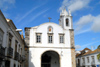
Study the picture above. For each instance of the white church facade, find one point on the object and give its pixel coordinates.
(50, 44)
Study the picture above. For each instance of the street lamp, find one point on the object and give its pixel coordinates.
(19, 30)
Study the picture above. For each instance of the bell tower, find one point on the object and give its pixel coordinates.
(65, 20)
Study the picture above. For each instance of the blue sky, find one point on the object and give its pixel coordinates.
(86, 16)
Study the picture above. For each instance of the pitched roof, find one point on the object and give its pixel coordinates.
(85, 49)
(83, 52)
(89, 52)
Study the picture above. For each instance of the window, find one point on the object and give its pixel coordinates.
(61, 37)
(19, 48)
(88, 59)
(50, 38)
(83, 60)
(10, 40)
(16, 42)
(38, 38)
(1, 37)
(67, 22)
(92, 58)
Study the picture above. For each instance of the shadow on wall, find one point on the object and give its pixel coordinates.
(31, 64)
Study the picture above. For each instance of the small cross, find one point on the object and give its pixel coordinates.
(49, 18)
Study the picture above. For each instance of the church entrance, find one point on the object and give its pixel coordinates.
(50, 59)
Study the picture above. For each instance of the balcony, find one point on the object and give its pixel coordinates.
(2, 52)
(19, 59)
(93, 63)
(10, 52)
(16, 56)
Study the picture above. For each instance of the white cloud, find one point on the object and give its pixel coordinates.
(5, 4)
(96, 25)
(91, 22)
(83, 21)
(38, 14)
(81, 32)
(86, 45)
(74, 5)
(34, 17)
(77, 47)
(29, 12)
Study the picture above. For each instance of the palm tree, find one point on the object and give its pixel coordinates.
(98, 56)
(98, 47)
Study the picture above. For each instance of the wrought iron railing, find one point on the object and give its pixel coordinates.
(10, 52)
(16, 56)
(19, 59)
(2, 52)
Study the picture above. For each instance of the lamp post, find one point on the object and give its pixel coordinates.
(19, 30)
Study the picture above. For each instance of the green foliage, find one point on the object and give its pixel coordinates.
(98, 56)
(98, 47)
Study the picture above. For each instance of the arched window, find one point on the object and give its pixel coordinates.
(50, 29)
(67, 22)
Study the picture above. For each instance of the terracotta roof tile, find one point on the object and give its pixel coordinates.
(91, 52)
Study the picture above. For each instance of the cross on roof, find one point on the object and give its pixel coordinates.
(49, 18)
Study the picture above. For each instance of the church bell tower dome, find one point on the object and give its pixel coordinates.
(64, 13)
(65, 19)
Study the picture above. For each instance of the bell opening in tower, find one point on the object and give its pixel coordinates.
(67, 22)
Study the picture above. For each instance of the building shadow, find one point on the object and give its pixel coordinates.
(31, 64)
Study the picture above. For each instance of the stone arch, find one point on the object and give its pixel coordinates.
(50, 58)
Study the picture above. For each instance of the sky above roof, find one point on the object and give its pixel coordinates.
(30, 13)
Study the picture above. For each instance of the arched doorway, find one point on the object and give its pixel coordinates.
(50, 59)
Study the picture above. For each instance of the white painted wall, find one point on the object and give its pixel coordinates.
(97, 62)
(39, 48)
(56, 30)
(35, 56)
(4, 26)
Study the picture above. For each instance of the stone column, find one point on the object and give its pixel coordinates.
(72, 48)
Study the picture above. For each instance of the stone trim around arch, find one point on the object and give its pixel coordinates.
(52, 51)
